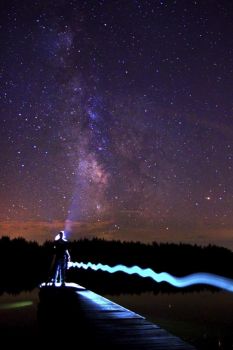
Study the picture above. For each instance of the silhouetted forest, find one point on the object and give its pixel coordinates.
(24, 265)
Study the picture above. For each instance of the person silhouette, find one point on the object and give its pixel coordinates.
(62, 257)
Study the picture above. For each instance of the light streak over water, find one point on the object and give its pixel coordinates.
(180, 282)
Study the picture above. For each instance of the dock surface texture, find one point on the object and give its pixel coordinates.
(84, 319)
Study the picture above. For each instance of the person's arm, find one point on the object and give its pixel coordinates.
(68, 254)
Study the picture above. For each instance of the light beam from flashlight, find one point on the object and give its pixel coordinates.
(180, 282)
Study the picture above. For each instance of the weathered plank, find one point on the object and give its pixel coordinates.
(107, 324)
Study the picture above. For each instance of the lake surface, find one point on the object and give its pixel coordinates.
(204, 318)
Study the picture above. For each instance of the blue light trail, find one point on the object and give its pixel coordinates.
(180, 282)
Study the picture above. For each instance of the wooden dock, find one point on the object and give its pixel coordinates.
(79, 316)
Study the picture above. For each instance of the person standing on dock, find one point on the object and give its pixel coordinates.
(62, 257)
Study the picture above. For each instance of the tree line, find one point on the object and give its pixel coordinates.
(25, 264)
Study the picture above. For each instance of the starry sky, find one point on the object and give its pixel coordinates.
(116, 120)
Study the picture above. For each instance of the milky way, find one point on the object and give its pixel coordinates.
(118, 116)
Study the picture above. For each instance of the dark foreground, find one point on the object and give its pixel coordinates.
(78, 316)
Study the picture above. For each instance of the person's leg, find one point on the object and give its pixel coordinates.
(58, 272)
(63, 273)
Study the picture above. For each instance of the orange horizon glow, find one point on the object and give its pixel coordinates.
(41, 231)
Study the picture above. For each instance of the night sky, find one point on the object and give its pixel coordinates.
(118, 117)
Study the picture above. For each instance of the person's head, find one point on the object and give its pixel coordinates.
(61, 234)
